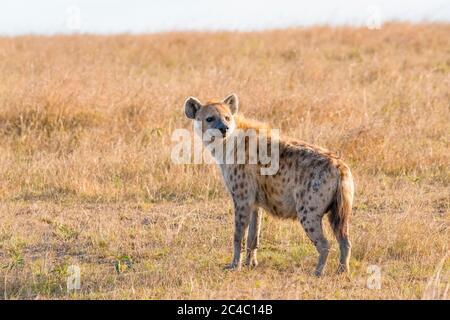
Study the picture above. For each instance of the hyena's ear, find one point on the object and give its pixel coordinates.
(191, 106)
(233, 102)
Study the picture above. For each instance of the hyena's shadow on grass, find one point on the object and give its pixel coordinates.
(281, 254)
(286, 259)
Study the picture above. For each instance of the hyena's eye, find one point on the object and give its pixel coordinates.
(209, 119)
(227, 118)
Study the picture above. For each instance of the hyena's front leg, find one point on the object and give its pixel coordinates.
(242, 213)
(253, 237)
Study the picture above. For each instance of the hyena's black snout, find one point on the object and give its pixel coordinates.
(223, 128)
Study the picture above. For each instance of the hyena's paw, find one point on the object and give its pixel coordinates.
(232, 266)
(342, 269)
(317, 274)
(253, 263)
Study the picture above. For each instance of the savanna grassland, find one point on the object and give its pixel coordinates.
(86, 176)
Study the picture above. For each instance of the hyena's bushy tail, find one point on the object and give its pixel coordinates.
(341, 207)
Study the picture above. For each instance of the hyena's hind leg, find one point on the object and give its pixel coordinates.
(345, 249)
(311, 221)
(253, 237)
(342, 238)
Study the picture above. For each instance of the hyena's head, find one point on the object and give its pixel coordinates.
(214, 119)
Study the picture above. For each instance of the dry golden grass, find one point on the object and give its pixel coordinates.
(86, 176)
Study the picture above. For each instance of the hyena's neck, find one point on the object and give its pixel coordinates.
(224, 151)
(235, 149)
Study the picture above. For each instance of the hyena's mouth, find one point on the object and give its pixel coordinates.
(222, 135)
(213, 138)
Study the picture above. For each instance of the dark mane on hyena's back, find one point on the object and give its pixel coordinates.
(322, 151)
(263, 128)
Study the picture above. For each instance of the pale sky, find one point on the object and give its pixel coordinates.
(139, 16)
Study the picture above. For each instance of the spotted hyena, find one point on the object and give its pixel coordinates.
(309, 183)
